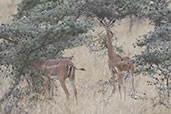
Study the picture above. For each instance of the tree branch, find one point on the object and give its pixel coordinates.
(9, 40)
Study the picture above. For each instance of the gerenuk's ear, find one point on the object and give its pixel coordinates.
(102, 22)
(112, 22)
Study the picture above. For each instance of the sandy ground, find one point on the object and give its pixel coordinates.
(8, 8)
(94, 97)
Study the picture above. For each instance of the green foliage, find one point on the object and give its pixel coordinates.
(30, 34)
(157, 43)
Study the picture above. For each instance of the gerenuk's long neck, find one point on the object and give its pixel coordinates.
(111, 52)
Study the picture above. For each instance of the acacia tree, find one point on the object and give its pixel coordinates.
(41, 28)
(156, 57)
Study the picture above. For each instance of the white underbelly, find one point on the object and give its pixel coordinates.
(54, 77)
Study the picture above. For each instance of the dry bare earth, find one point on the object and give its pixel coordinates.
(93, 98)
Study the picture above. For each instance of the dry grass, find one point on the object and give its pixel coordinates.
(91, 99)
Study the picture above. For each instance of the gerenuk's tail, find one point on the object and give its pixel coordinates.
(80, 69)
